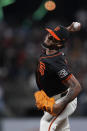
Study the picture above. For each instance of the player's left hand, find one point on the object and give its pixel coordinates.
(44, 102)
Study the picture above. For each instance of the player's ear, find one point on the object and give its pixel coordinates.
(59, 45)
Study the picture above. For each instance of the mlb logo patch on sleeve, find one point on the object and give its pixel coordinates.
(62, 73)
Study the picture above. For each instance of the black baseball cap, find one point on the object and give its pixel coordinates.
(60, 33)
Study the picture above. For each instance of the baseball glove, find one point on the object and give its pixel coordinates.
(44, 102)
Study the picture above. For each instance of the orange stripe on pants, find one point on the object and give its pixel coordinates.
(52, 123)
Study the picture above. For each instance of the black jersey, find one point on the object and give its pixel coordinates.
(52, 70)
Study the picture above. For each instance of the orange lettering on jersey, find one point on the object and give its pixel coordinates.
(41, 68)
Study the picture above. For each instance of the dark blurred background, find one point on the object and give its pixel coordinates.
(22, 26)
(21, 10)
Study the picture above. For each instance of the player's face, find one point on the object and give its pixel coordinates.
(49, 40)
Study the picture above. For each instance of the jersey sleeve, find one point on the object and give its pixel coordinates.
(62, 71)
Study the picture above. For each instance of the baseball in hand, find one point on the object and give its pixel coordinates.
(76, 25)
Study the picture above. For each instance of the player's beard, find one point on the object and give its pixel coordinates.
(52, 47)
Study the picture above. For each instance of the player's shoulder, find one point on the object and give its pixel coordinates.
(57, 57)
(60, 60)
(60, 57)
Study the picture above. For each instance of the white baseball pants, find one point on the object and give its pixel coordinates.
(61, 122)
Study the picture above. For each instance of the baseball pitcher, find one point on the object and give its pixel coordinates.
(58, 87)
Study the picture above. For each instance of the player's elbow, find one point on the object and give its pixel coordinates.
(78, 87)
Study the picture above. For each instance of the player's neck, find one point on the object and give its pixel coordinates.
(50, 52)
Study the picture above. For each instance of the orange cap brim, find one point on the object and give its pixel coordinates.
(53, 34)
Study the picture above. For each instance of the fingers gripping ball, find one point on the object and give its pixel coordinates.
(76, 25)
(44, 102)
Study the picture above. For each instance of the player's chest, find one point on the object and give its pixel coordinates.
(45, 69)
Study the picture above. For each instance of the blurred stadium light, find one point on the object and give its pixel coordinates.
(50, 5)
(1, 13)
(40, 12)
(4, 3)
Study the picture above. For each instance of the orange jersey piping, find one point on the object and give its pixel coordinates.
(63, 81)
(51, 56)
